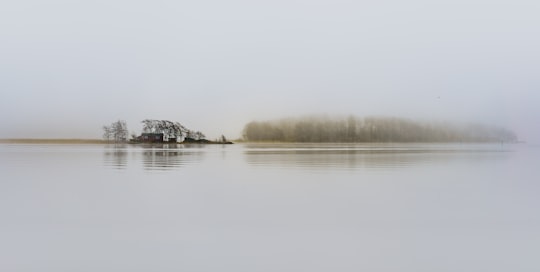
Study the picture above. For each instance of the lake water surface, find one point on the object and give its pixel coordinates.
(270, 207)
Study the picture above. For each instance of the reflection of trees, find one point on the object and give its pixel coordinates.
(116, 156)
(360, 158)
(334, 158)
(167, 159)
(153, 157)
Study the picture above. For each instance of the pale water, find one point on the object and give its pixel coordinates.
(256, 207)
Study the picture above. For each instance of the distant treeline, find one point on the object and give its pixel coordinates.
(370, 129)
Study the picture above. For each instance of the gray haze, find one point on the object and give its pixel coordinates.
(69, 67)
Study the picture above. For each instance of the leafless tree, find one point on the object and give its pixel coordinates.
(117, 131)
(107, 133)
(199, 135)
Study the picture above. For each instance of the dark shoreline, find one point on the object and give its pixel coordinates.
(97, 141)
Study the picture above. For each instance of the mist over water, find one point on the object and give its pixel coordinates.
(369, 203)
(269, 207)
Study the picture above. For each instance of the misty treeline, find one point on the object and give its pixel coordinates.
(118, 131)
(370, 129)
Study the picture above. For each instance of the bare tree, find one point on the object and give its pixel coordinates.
(120, 131)
(117, 131)
(199, 135)
(107, 133)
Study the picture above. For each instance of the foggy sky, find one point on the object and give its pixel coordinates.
(69, 67)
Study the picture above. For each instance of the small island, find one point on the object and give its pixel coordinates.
(158, 132)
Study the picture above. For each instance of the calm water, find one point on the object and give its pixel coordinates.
(270, 208)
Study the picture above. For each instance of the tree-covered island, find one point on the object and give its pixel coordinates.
(158, 131)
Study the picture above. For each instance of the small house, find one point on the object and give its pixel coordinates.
(151, 138)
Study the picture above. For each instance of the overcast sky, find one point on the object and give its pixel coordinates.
(69, 67)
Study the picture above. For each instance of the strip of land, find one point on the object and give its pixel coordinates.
(53, 141)
(97, 141)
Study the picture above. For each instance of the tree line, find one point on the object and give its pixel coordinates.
(170, 129)
(370, 129)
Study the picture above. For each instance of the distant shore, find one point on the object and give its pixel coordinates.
(53, 141)
(99, 141)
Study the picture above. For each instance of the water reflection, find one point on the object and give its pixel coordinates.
(116, 156)
(167, 159)
(304, 156)
(59, 206)
(153, 157)
(365, 156)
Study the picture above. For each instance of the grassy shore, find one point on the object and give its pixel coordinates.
(53, 141)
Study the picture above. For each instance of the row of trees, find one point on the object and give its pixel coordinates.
(170, 129)
(370, 129)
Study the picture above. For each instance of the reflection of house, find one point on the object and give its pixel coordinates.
(151, 137)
